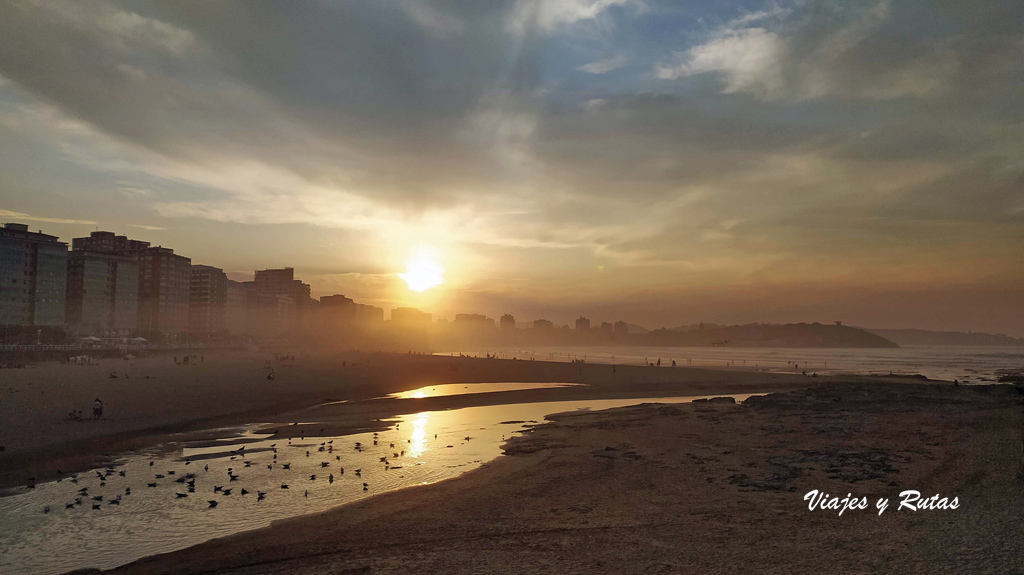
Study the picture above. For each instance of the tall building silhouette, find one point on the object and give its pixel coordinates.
(102, 293)
(507, 322)
(164, 279)
(280, 302)
(207, 302)
(33, 277)
(582, 324)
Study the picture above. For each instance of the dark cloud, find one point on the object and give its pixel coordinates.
(774, 140)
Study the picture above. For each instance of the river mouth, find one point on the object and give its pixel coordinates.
(143, 504)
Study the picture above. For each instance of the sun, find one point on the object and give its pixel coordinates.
(422, 270)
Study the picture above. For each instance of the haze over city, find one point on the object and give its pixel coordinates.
(639, 160)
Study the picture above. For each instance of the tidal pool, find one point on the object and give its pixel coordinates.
(85, 528)
(447, 389)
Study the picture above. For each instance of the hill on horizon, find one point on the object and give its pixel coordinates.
(923, 337)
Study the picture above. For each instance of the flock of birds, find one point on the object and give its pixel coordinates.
(186, 478)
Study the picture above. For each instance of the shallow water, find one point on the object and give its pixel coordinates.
(153, 520)
(467, 388)
(973, 364)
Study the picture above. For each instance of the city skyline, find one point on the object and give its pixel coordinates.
(623, 159)
(110, 285)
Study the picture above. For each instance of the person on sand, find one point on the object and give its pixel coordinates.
(97, 409)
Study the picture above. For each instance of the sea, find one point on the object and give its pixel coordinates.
(968, 364)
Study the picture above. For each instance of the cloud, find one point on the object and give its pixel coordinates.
(134, 192)
(21, 216)
(548, 15)
(773, 11)
(438, 21)
(148, 228)
(848, 52)
(787, 143)
(604, 66)
(749, 60)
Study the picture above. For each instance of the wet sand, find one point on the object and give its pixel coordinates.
(231, 389)
(705, 488)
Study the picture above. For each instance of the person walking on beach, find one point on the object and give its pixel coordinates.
(97, 409)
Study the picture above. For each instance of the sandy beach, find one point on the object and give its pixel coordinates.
(159, 400)
(709, 487)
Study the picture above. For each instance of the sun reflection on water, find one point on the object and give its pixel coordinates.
(419, 435)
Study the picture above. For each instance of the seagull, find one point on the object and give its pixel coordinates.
(244, 491)
(260, 495)
(181, 495)
(212, 503)
(98, 498)
(152, 484)
(95, 505)
(287, 466)
(217, 488)
(46, 509)
(312, 477)
(159, 476)
(284, 486)
(226, 492)
(69, 506)
(121, 473)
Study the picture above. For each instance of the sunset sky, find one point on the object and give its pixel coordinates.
(659, 162)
